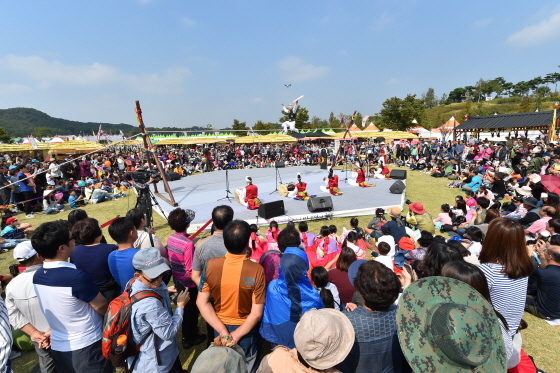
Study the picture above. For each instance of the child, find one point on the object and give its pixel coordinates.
(333, 235)
(328, 292)
(351, 241)
(50, 205)
(373, 229)
(325, 245)
(519, 212)
(257, 244)
(475, 236)
(387, 238)
(445, 216)
(74, 201)
(13, 229)
(383, 248)
(272, 235)
(307, 238)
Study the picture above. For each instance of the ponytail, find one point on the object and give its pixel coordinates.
(320, 278)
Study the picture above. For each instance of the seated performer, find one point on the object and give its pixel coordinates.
(248, 196)
(331, 184)
(301, 190)
(360, 177)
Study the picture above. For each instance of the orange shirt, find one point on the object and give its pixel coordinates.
(236, 283)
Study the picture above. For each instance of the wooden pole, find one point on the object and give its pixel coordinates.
(149, 149)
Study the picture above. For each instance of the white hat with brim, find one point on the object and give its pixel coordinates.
(324, 337)
(524, 191)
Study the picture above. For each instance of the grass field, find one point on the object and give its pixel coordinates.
(540, 340)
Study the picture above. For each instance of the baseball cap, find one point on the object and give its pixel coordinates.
(190, 215)
(24, 251)
(29, 165)
(150, 262)
(11, 220)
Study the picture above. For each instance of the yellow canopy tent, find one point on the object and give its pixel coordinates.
(127, 143)
(276, 139)
(75, 147)
(192, 141)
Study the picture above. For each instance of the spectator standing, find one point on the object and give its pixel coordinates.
(5, 186)
(180, 249)
(506, 265)
(152, 319)
(92, 256)
(72, 304)
(6, 338)
(146, 235)
(23, 305)
(239, 302)
(27, 188)
(213, 246)
(124, 233)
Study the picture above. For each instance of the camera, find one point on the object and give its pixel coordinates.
(408, 202)
(142, 176)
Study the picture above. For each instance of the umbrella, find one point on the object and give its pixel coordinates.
(551, 183)
(380, 138)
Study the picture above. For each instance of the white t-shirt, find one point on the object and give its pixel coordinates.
(391, 241)
(475, 248)
(386, 260)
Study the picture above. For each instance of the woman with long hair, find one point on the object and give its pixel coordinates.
(505, 262)
(327, 291)
(553, 200)
(339, 275)
(438, 254)
(272, 235)
(257, 244)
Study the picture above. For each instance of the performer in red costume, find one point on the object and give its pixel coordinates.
(248, 196)
(301, 190)
(331, 184)
(360, 177)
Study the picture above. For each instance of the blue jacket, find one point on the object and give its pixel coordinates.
(153, 314)
(287, 298)
(475, 183)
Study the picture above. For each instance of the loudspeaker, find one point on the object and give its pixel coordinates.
(398, 174)
(171, 176)
(280, 164)
(318, 204)
(398, 187)
(271, 209)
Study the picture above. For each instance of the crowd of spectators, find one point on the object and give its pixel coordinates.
(349, 300)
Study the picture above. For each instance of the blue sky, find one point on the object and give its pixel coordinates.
(209, 62)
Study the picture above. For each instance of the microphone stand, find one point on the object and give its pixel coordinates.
(228, 197)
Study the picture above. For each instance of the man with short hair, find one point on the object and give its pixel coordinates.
(543, 293)
(213, 246)
(70, 301)
(123, 231)
(5, 186)
(475, 183)
(27, 188)
(23, 305)
(239, 300)
(546, 213)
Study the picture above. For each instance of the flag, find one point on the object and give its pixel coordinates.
(121, 133)
(364, 121)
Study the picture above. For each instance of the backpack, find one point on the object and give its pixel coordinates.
(117, 323)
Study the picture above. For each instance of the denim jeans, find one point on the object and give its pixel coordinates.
(250, 344)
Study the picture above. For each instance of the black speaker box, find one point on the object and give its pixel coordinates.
(398, 187)
(271, 209)
(172, 176)
(398, 174)
(280, 164)
(318, 204)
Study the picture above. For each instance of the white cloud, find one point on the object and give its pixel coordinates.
(545, 31)
(258, 100)
(393, 81)
(49, 72)
(297, 70)
(342, 52)
(188, 22)
(482, 23)
(14, 89)
(382, 22)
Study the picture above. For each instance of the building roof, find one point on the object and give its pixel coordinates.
(452, 122)
(371, 128)
(518, 120)
(355, 128)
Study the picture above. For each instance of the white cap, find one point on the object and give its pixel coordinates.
(24, 251)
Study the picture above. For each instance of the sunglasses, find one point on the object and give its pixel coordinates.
(153, 280)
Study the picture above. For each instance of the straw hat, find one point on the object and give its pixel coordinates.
(394, 212)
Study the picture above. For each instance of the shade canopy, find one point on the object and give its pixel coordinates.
(75, 147)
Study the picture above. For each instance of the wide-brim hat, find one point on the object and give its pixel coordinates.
(417, 208)
(535, 178)
(531, 201)
(47, 192)
(394, 212)
(353, 269)
(324, 337)
(444, 325)
(524, 191)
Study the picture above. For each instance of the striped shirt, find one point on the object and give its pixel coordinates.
(5, 336)
(507, 295)
(180, 250)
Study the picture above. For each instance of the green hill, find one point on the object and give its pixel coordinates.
(19, 122)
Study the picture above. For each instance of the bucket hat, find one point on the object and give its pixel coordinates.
(531, 201)
(524, 191)
(218, 359)
(444, 325)
(324, 337)
(417, 208)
